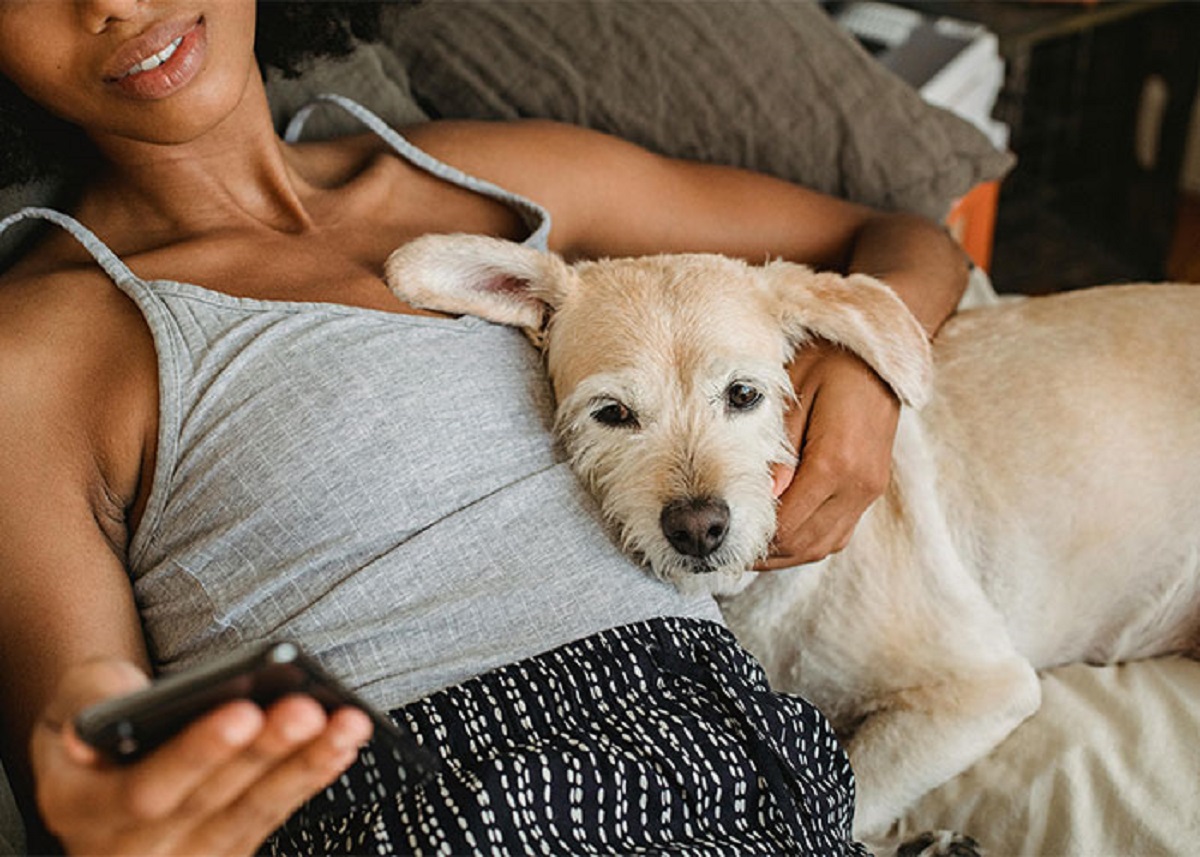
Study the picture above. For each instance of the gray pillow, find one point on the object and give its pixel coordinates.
(772, 85)
(373, 76)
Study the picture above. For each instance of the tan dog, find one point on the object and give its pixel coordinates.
(1044, 505)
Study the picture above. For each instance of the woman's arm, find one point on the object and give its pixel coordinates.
(64, 595)
(611, 198)
(73, 417)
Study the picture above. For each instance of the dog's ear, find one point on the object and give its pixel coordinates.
(859, 313)
(498, 280)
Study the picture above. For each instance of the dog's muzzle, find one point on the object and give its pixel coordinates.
(695, 526)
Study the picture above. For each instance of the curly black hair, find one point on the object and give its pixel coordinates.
(290, 33)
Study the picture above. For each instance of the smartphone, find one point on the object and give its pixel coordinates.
(127, 727)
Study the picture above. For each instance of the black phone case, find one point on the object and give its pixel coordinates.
(127, 727)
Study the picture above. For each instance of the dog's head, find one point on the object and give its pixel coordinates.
(670, 378)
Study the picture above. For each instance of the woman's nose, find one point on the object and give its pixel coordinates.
(99, 15)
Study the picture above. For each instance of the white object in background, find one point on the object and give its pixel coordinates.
(879, 25)
(1152, 108)
(970, 83)
(954, 64)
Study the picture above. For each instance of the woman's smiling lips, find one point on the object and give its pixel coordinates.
(159, 62)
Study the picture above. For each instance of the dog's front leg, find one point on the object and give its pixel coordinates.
(921, 737)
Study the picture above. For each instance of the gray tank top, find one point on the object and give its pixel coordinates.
(383, 488)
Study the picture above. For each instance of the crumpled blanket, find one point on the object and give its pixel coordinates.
(1108, 767)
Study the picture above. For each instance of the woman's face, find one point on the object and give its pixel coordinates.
(157, 71)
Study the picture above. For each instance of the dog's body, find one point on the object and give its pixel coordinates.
(1043, 506)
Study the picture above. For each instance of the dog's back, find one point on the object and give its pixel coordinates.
(1066, 431)
(1042, 510)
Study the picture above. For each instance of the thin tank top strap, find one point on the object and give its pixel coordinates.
(535, 216)
(112, 265)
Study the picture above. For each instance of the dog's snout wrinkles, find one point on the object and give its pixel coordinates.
(696, 526)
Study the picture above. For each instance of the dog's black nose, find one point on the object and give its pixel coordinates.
(695, 527)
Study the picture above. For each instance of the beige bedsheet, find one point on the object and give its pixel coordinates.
(1109, 767)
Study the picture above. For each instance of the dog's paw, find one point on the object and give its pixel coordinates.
(940, 843)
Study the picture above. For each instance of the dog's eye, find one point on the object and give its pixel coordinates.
(615, 414)
(742, 396)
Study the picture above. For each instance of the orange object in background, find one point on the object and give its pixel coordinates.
(972, 222)
(1183, 265)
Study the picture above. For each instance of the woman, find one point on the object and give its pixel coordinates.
(274, 446)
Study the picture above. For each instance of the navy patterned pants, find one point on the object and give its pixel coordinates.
(655, 738)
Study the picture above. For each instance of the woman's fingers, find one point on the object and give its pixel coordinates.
(299, 752)
(96, 806)
(221, 786)
(271, 799)
(164, 781)
(844, 425)
(818, 522)
(298, 736)
(826, 531)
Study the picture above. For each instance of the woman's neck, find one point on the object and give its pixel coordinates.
(237, 173)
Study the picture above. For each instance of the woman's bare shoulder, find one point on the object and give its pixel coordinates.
(74, 353)
(54, 289)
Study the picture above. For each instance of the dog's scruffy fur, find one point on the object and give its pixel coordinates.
(1044, 505)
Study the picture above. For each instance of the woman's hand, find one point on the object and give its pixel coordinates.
(219, 787)
(843, 424)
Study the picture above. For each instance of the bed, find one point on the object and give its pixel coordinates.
(1111, 763)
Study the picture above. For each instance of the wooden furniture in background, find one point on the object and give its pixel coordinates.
(1098, 100)
(1183, 265)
